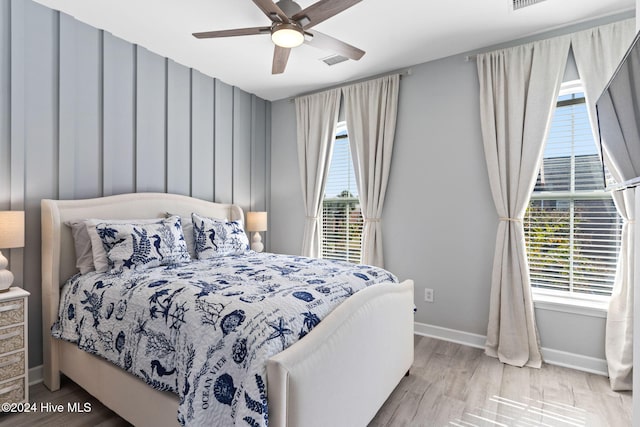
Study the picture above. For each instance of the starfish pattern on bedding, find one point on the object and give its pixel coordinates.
(280, 331)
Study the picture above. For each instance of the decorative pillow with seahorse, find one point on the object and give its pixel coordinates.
(134, 246)
(215, 237)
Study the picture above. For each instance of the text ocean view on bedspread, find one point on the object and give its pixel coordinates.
(204, 330)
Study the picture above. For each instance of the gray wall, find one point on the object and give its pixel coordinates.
(439, 219)
(85, 114)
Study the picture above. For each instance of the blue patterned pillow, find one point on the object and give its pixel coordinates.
(138, 246)
(215, 237)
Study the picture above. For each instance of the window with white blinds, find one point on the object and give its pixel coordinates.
(572, 228)
(341, 216)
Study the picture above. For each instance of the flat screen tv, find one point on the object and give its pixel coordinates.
(618, 111)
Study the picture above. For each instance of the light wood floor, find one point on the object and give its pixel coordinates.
(449, 385)
(455, 385)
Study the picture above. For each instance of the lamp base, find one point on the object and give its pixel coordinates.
(256, 242)
(6, 277)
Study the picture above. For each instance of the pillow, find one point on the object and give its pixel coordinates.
(100, 262)
(187, 229)
(82, 242)
(215, 238)
(136, 246)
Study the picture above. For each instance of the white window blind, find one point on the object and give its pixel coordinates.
(572, 228)
(341, 216)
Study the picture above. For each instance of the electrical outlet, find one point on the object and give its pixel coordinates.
(428, 295)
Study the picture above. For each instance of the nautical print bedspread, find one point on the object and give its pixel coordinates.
(204, 330)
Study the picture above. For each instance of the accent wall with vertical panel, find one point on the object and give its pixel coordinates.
(85, 114)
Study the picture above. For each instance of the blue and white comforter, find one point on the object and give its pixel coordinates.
(205, 329)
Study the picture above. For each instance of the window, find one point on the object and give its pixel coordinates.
(572, 228)
(341, 217)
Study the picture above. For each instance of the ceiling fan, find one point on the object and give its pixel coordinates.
(290, 28)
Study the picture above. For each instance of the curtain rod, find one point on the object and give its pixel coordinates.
(552, 33)
(402, 72)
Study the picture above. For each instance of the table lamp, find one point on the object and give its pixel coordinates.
(256, 222)
(11, 236)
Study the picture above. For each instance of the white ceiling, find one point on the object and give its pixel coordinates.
(395, 34)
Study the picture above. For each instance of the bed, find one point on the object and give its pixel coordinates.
(320, 380)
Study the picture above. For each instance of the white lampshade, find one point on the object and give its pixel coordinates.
(256, 221)
(11, 236)
(11, 229)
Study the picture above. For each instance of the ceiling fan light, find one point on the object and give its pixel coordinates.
(287, 35)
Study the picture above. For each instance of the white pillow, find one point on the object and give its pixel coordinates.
(187, 228)
(100, 260)
(215, 237)
(134, 246)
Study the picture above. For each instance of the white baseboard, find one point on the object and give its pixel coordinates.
(550, 356)
(575, 361)
(36, 375)
(451, 335)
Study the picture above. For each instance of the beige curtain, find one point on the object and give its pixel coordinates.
(518, 91)
(316, 118)
(598, 51)
(371, 109)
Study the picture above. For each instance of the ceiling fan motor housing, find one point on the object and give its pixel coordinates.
(289, 7)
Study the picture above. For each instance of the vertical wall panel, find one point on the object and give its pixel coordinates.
(83, 113)
(80, 110)
(178, 129)
(258, 158)
(202, 144)
(224, 142)
(18, 87)
(258, 154)
(242, 148)
(119, 116)
(17, 120)
(267, 161)
(150, 121)
(41, 143)
(67, 160)
(5, 105)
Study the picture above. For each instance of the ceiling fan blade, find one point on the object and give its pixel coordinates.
(280, 58)
(325, 42)
(321, 11)
(231, 33)
(272, 11)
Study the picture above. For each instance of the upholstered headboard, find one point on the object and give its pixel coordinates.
(58, 251)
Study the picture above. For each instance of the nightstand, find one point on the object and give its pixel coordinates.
(14, 380)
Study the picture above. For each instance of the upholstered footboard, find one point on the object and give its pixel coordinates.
(344, 370)
(338, 375)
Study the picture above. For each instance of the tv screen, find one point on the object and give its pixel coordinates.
(618, 110)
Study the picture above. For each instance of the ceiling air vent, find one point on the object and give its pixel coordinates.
(334, 59)
(519, 4)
